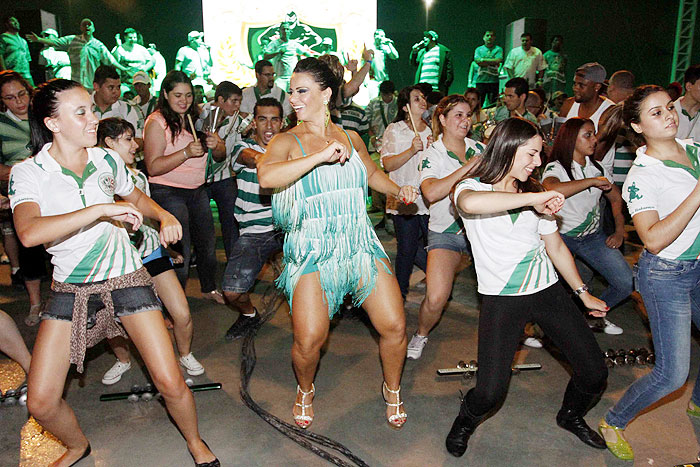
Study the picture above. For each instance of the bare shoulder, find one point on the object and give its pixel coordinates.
(566, 106)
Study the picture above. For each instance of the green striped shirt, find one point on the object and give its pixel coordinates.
(14, 139)
(253, 209)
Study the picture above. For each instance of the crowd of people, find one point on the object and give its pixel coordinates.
(528, 183)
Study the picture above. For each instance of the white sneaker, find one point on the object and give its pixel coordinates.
(611, 328)
(415, 347)
(533, 342)
(193, 367)
(115, 373)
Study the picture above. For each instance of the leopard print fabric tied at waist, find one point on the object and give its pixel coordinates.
(105, 325)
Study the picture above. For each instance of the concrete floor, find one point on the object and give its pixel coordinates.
(349, 406)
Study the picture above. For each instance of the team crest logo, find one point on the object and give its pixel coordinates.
(106, 183)
(634, 192)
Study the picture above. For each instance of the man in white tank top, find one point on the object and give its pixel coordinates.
(587, 101)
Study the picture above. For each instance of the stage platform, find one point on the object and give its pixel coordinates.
(348, 404)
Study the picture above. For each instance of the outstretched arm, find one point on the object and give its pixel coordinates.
(561, 258)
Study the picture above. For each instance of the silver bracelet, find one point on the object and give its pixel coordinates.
(580, 290)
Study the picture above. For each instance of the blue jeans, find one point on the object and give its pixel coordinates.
(609, 262)
(671, 293)
(224, 193)
(191, 208)
(411, 239)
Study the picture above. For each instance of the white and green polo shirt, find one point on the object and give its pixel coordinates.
(438, 163)
(509, 254)
(98, 251)
(150, 237)
(580, 215)
(655, 185)
(14, 139)
(253, 208)
(121, 109)
(687, 127)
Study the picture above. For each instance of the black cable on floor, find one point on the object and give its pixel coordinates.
(271, 301)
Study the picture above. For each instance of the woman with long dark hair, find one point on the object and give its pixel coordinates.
(573, 172)
(516, 248)
(663, 196)
(330, 247)
(446, 161)
(28, 265)
(176, 162)
(64, 197)
(118, 135)
(401, 155)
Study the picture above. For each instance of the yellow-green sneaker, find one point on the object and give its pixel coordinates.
(616, 442)
(693, 409)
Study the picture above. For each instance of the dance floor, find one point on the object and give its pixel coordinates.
(348, 405)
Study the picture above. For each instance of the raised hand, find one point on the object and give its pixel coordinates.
(195, 149)
(170, 229)
(417, 144)
(123, 211)
(335, 152)
(601, 183)
(548, 202)
(408, 194)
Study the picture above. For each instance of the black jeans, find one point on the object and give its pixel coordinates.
(191, 208)
(501, 324)
(411, 239)
(224, 193)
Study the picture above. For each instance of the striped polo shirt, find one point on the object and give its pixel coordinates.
(253, 208)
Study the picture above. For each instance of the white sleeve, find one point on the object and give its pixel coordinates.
(555, 170)
(391, 143)
(547, 225)
(640, 191)
(123, 183)
(430, 165)
(23, 188)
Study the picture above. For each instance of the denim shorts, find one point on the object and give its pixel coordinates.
(127, 302)
(249, 254)
(448, 241)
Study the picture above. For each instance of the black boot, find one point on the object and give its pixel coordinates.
(462, 428)
(570, 417)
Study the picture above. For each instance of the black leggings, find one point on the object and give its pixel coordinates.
(501, 324)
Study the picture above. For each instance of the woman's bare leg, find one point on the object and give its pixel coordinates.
(439, 277)
(384, 307)
(173, 297)
(47, 377)
(147, 331)
(310, 325)
(11, 342)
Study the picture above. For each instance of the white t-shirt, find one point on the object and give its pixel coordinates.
(509, 254)
(138, 57)
(251, 95)
(98, 251)
(525, 64)
(654, 185)
(397, 138)
(687, 127)
(580, 215)
(438, 162)
(150, 237)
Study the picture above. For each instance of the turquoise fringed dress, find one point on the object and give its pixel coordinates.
(327, 229)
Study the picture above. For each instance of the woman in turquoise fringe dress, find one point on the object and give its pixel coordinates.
(321, 173)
